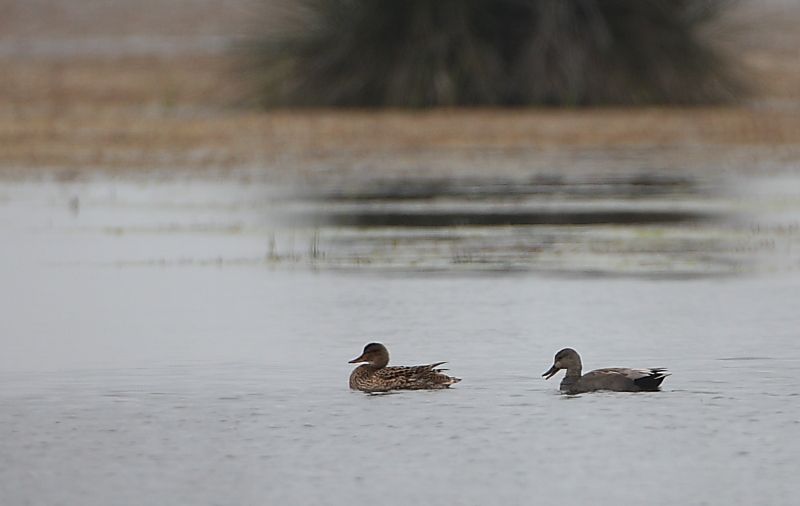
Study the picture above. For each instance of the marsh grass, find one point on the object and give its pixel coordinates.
(426, 53)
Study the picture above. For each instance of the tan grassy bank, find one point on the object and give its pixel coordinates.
(142, 113)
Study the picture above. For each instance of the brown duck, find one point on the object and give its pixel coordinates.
(617, 379)
(376, 376)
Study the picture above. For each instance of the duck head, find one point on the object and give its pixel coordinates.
(375, 354)
(565, 359)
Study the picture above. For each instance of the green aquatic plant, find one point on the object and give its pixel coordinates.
(424, 53)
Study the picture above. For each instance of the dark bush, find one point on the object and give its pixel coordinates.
(424, 53)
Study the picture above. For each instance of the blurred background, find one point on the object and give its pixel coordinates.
(447, 113)
(207, 207)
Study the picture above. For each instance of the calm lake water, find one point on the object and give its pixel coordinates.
(176, 343)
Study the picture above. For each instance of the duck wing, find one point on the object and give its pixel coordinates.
(649, 379)
(625, 379)
(416, 377)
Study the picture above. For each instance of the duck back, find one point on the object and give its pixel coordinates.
(617, 379)
(419, 377)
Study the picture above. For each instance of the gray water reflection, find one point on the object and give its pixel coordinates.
(667, 227)
(540, 200)
(664, 224)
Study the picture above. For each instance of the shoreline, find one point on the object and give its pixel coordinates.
(303, 144)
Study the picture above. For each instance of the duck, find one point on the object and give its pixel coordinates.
(376, 376)
(616, 379)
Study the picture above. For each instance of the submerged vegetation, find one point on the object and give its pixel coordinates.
(427, 53)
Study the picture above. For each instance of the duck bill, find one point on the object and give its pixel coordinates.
(358, 359)
(551, 372)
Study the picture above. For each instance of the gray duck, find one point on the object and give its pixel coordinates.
(616, 379)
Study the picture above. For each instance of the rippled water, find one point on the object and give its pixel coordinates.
(155, 351)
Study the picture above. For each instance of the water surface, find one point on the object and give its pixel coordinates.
(181, 347)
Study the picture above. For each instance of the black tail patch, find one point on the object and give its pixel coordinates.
(652, 381)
